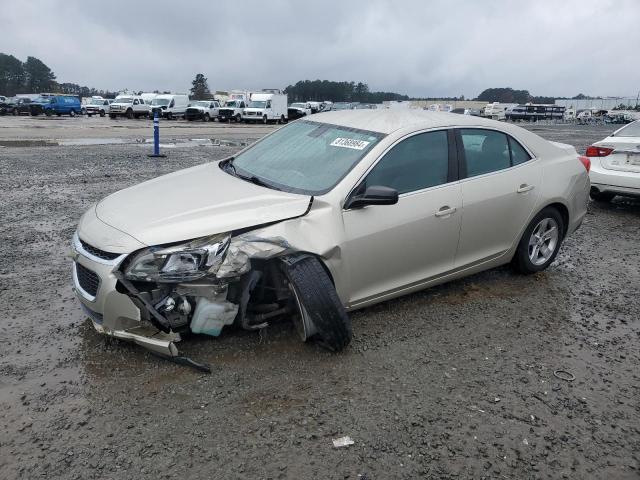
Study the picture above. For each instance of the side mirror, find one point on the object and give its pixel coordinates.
(373, 195)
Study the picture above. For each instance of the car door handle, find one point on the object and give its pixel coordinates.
(524, 188)
(445, 211)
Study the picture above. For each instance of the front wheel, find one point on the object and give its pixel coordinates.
(48, 113)
(265, 120)
(319, 311)
(129, 114)
(102, 113)
(206, 117)
(72, 113)
(238, 118)
(541, 241)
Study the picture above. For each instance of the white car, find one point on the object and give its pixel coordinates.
(205, 110)
(321, 217)
(615, 164)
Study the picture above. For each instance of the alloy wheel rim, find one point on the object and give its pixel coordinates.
(543, 241)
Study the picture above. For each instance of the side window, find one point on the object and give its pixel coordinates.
(485, 151)
(518, 154)
(141, 101)
(420, 161)
(136, 102)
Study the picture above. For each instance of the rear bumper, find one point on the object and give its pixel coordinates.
(613, 181)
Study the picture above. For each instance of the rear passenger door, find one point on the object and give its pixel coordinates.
(393, 248)
(500, 183)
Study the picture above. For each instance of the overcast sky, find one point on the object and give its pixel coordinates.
(417, 47)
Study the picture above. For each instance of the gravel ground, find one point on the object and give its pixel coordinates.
(453, 382)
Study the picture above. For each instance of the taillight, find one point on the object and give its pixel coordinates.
(595, 151)
(585, 161)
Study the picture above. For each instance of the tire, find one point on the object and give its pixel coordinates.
(317, 297)
(129, 114)
(238, 118)
(265, 120)
(604, 197)
(206, 118)
(282, 120)
(530, 256)
(89, 115)
(15, 112)
(72, 113)
(48, 113)
(102, 113)
(112, 117)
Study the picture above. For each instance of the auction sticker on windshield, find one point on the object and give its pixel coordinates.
(350, 143)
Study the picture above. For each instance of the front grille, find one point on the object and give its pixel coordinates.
(96, 252)
(88, 280)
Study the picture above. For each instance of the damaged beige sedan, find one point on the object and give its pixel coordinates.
(325, 215)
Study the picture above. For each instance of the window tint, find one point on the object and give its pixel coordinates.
(485, 151)
(420, 161)
(518, 154)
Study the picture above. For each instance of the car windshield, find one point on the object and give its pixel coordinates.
(42, 100)
(124, 100)
(631, 130)
(305, 157)
(96, 101)
(298, 105)
(260, 104)
(231, 103)
(200, 104)
(160, 101)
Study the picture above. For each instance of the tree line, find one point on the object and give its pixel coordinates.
(509, 95)
(34, 76)
(319, 90)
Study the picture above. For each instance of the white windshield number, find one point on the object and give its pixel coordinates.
(350, 143)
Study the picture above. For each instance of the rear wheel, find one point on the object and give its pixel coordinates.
(599, 196)
(541, 241)
(112, 117)
(319, 311)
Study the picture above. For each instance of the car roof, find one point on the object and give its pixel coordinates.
(389, 120)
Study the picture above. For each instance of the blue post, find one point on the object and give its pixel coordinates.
(156, 135)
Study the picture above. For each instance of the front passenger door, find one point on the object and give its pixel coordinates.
(391, 249)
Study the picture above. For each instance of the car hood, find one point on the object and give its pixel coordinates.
(195, 202)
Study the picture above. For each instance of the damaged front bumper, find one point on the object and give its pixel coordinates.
(153, 315)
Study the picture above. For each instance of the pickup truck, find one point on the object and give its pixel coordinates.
(232, 110)
(205, 110)
(130, 106)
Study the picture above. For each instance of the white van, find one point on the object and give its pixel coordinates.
(170, 105)
(266, 107)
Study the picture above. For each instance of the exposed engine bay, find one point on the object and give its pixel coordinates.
(244, 283)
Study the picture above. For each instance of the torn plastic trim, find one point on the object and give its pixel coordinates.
(145, 336)
(157, 319)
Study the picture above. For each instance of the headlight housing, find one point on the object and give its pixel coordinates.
(179, 263)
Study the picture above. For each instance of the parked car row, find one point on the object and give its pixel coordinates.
(267, 106)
